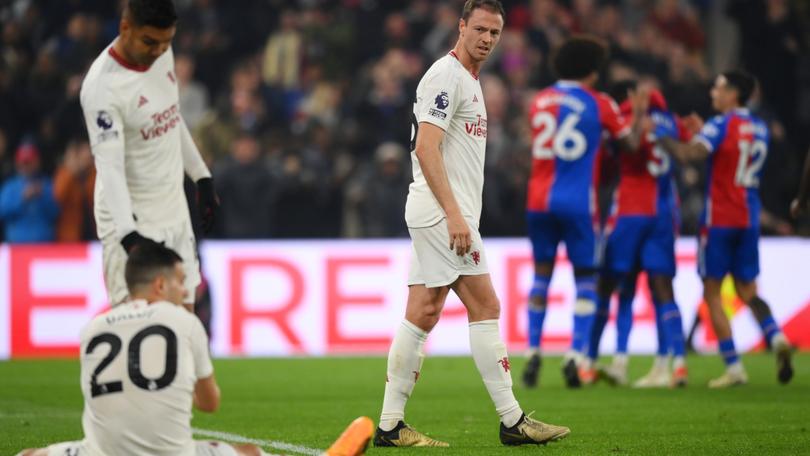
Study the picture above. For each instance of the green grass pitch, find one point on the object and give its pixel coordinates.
(307, 402)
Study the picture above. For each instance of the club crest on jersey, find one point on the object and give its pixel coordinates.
(104, 120)
(476, 257)
(504, 362)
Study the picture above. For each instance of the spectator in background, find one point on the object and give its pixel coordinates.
(678, 23)
(247, 191)
(283, 66)
(443, 33)
(27, 206)
(73, 186)
(220, 128)
(193, 95)
(375, 201)
(772, 43)
(6, 162)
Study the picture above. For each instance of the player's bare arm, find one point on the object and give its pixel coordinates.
(206, 394)
(639, 100)
(684, 152)
(428, 152)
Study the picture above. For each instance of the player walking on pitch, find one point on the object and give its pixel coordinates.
(145, 362)
(735, 144)
(442, 212)
(142, 146)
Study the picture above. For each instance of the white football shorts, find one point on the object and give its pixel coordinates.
(434, 264)
(179, 238)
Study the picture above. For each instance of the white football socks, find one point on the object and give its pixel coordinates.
(489, 353)
(620, 361)
(404, 364)
(779, 340)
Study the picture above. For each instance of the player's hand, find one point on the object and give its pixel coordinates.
(693, 123)
(135, 239)
(207, 202)
(639, 100)
(460, 237)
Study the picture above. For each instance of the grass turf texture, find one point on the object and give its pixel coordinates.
(308, 402)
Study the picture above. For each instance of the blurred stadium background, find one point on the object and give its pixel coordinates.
(301, 109)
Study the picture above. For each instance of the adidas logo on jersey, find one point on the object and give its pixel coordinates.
(142, 101)
(475, 98)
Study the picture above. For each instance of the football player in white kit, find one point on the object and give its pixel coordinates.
(442, 213)
(142, 146)
(145, 362)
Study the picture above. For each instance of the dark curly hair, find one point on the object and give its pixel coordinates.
(579, 56)
(155, 13)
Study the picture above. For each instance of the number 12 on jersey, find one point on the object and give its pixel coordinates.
(564, 141)
(752, 157)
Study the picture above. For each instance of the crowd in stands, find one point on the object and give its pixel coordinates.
(302, 108)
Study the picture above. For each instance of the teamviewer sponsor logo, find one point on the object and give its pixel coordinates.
(162, 122)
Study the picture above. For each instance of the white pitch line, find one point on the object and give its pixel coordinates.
(228, 437)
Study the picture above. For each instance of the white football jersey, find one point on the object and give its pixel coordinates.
(449, 97)
(139, 365)
(135, 111)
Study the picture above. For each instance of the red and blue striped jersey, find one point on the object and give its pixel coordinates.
(646, 186)
(567, 123)
(738, 146)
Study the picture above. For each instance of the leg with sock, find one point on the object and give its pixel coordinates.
(672, 325)
(735, 374)
(492, 361)
(537, 311)
(536, 316)
(659, 375)
(605, 286)
(404, 364)
(584, 310)
(624, 323)
(774, 336)
(489, 353)
(624, 316)
(762, 312)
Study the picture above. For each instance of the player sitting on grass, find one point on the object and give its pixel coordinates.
(145, 362)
